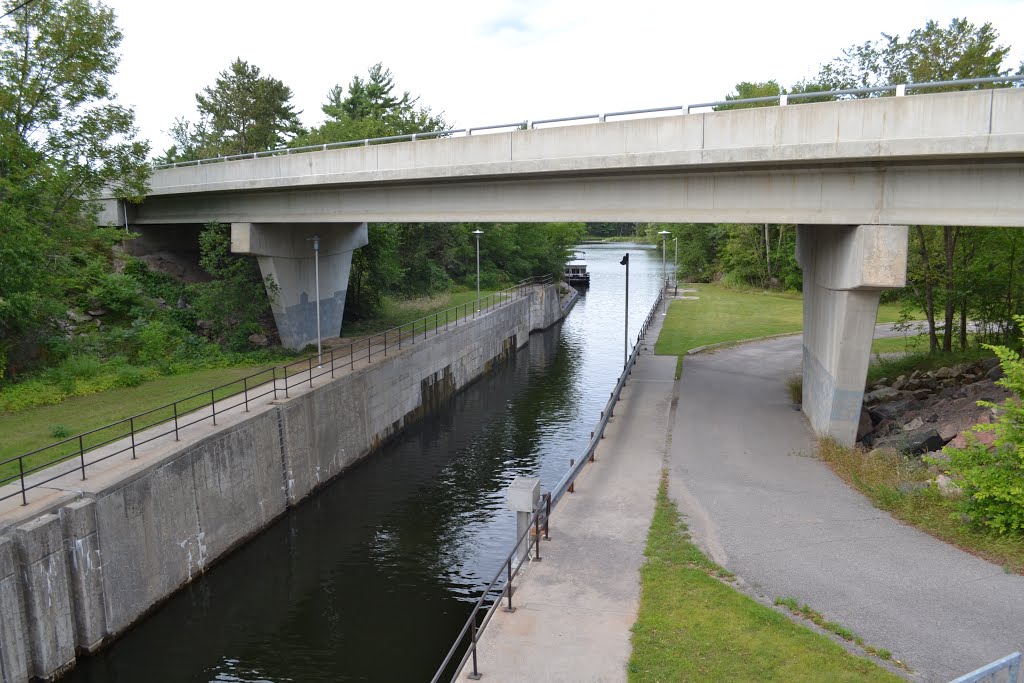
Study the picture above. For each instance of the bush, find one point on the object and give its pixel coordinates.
(992, 480)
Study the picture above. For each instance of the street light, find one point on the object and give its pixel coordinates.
(675, 266)
(478, 233)
(664, 273)
(625, 345)
(315, 239)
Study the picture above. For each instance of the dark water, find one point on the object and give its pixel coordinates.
(372, 579)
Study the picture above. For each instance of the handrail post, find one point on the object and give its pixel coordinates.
(273, 376)
(311, 372)
(21, 475)
(245, 391)
(131, 429)
(175, 405)
(81, 455)
(508, 587)
(536, 534)
(213, 407)
(547, 515)
(332, 363)
(475, 676)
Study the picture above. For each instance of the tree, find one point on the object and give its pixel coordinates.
(242, 112)
(748, 90)
(63, 139)
(372, 109)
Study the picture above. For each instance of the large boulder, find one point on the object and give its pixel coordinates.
(913, 442)
(865, 425)
(882, 394)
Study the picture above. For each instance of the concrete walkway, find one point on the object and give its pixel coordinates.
(759, 504)
(574, 609)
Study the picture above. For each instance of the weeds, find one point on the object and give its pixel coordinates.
(817, 618)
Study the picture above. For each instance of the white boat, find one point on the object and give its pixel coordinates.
(576, 270)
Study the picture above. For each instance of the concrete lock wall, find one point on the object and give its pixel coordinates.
(81, 574)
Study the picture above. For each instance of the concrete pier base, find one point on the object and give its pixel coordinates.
(285, 253)
(845, 270)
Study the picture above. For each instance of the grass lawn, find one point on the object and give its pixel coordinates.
(721, 314)
(693, 627)
(33, 428)
(917, 343)
(879, 479)
(403, 311)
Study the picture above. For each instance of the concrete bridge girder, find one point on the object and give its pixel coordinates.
(285, 254)
(845, 270)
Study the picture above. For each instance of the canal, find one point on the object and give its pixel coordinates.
(372, 578)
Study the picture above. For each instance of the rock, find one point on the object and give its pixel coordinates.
(912, 385)
(987, 364)
(900, 382)
(915, 442)
(182, 304)
(259, 340)
(886, 411)
(915, 375)
(921, 394)
(883, 394)
(96, 312)
(947, 486)
(161, 303)
(937, 455)
(204, 324)
(946, 373)
(995, 373)
(865, 425)
(948, 431)
(78, 317)
(916, 423)
(882, 382)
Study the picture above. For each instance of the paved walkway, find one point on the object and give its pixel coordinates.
(786, 525)
(574, 609)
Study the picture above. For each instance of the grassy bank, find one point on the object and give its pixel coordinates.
(693, 627)
(720, 314)
(396, 312)
(890, 483)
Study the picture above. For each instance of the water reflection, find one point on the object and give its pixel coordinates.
(371, 579)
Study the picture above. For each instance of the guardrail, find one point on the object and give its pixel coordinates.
(500, 587)
(1011, 664)
(897, 89)
(276, 380)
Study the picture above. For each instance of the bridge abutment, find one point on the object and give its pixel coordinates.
(285, 253)
(845, 270)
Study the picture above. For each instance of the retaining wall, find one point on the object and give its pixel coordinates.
(79, 575)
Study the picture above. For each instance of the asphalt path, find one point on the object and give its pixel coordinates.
(758, 502)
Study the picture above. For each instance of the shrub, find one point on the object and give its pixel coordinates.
(992, 479)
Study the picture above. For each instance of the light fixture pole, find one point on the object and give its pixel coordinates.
(664, 274)
(315, 239)
(625, 345)
(478, 233)
(675, 266)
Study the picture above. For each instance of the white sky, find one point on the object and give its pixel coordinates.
(494, 61)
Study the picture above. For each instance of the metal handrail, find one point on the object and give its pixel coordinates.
(1011, 664)
(206, 404)
(897, 88)
(539, 518)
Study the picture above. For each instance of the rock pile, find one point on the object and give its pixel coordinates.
(922, 412)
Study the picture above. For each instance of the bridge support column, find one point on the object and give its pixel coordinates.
(285, 253)
(845, 269)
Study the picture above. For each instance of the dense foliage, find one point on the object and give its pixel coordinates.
(992, 478)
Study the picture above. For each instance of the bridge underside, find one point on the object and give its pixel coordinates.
(983, 193)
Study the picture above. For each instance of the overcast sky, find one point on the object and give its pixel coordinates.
(492, 61)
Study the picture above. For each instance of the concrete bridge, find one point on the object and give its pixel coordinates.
(852, 175)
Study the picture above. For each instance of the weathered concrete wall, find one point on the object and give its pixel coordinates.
(72, 579)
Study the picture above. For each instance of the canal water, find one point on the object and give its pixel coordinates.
(372, 578)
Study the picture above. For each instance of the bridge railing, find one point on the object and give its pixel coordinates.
(897, 89)
(500, 588)
(38, 467)
(1011, 665)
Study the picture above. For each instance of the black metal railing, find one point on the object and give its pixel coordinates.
(500, 588)
(276, 381)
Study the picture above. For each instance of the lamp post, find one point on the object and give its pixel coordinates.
(664, 274)
(315, 239)
(625, 345)
(675, 266)
(477, 233)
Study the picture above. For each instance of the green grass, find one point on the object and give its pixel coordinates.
(913, 343)
(33, 428)
(879, 479)
(398, 312)
(725, 315)
(693, 627)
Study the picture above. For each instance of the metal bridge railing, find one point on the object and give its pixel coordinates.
(500, 587)
(138, 430)
(1011, 665)
(897, 89)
